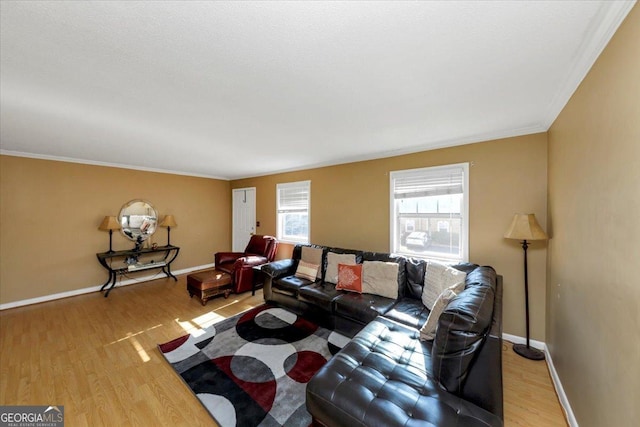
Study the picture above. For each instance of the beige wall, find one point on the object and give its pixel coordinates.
(350, 208)
(50, 212)
(593, 321)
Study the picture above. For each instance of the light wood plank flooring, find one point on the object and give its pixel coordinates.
(97, 356)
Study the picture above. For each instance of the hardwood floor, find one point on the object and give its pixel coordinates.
(97, 356)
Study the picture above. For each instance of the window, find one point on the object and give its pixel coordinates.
(293, 202)
(429, 212)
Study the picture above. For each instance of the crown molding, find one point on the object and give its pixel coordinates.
(436, 145)
(104, 164)
(603, 27)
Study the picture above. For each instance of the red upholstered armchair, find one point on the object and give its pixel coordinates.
(260, 250)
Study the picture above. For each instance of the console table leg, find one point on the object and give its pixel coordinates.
(107, 282)
(167, 271)
(113, 284)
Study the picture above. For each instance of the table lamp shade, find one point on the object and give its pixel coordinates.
(168, 221)
(525, 227)
(109, 223)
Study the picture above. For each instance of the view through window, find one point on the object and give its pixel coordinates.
(293, 202)
(429, 212)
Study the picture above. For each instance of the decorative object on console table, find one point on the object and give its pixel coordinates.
(525, 227)
(168, 221)
(109, 223)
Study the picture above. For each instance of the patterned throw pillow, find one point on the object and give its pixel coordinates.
(350, 278)
(428, 330)
(437, 278)
(307, 271)
(333, 259)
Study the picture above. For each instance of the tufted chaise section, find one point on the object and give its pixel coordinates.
(383, 378)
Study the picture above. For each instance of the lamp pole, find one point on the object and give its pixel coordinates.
(526, 350)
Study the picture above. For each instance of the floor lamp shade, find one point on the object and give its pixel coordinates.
(525, 227)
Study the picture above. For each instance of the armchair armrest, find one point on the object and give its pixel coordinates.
(224, 257)
(279, 268)
(250, 261)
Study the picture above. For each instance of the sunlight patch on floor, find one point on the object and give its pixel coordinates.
(138, 347)
(130, 334)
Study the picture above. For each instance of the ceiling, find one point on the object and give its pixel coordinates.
(238, 89)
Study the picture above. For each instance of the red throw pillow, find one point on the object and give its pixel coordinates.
(350, 278)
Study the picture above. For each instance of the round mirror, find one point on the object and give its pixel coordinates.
(138, 220)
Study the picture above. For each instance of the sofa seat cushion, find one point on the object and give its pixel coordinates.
(362, 307)
(289, 285)
(320, 294)
(382, 377)
(409, 311)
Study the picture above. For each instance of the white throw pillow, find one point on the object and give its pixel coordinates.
(333, 259)
(380, 278)
(437, 278)
(428, 330)
(312, 256)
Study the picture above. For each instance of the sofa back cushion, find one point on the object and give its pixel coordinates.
(296, 255)
(462, 328)
(415, 269)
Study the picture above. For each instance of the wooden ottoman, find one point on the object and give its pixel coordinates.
(208, 284)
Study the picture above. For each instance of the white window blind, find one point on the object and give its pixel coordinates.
(293, 202)
(428, 182)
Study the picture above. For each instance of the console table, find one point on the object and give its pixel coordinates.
(131, 261)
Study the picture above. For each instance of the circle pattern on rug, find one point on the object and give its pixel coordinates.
(301, 366)
(274, 323)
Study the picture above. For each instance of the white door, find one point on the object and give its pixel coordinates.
(244, 217)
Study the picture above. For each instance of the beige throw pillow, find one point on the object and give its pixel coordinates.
(313, 256)
(380, 278)
(437, 278)
(428, 330)
(333, 259)
(307, 271)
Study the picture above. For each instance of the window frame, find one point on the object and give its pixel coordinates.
(464, 238)
(279, 233)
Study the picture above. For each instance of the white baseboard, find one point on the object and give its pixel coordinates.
(564, 401)
(520, 340)
(88, 290)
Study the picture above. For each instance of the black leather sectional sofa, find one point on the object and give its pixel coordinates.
(387, 376)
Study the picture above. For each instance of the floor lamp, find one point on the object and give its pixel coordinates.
(524, 227)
